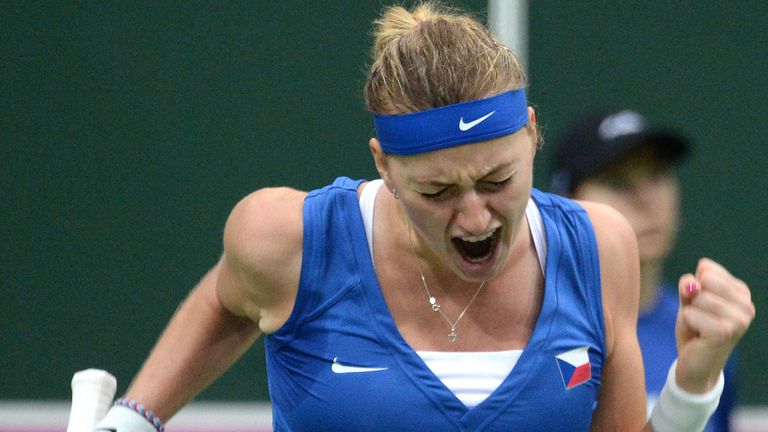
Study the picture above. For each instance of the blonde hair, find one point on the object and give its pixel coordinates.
(433, 56)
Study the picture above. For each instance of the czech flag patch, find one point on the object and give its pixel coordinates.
(574, 367)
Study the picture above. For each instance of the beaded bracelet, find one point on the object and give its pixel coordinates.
(141, 409)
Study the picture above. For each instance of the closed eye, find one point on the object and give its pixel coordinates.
(497, 185)
(434, 195)
(502, 182)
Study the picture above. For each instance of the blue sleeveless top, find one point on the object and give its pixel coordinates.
(340, 364)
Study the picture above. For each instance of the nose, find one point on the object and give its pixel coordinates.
(472, 214)
(644, 191)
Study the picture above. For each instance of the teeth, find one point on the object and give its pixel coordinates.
(476, 239)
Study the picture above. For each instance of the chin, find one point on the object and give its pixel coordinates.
(654, 254)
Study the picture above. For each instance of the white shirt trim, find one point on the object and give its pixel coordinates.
(471, 376)
(367, 202)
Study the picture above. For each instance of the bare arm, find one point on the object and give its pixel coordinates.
(202, 340)
(621, 404)
(250, 290)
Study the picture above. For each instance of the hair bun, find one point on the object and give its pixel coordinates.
(435, 55)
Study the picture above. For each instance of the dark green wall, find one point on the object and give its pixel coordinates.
(127, 133)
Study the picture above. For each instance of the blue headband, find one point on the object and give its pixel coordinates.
(452, 125)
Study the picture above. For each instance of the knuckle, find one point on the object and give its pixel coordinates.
(750, 316)
(727, 332)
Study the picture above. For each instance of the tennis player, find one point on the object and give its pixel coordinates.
(448, 295)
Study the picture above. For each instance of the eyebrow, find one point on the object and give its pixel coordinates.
(495, 170)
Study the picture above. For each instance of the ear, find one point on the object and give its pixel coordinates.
(533, 131)
(380, 159)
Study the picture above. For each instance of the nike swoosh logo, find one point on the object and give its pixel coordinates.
(107, 429)
(467, 126)
(339, 368)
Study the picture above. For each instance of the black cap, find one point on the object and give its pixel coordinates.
(595, 142)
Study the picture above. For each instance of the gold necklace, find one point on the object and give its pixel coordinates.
(432, 300)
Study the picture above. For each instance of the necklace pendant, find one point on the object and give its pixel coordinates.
(435, 304)
(452, 336)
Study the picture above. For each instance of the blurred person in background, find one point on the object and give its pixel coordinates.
(618, 159)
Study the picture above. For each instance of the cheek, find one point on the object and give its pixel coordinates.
(669, 211)
(672, 194)
(519, 192)
(429, 219)
(514, 211)
(508, 207)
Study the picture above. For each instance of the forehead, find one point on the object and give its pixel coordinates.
(643, 160)
(473, 160)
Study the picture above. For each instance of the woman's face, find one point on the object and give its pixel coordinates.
(646, 191)
(465, 204)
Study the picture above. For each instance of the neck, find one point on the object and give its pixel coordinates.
(650, 280)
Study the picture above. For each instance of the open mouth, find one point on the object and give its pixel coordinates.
(478, 248)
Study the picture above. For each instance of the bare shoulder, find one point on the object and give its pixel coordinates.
(268, 217)
(619, 268)
(615, 238)
(263, 240)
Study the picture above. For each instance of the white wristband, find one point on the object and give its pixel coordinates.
(680, 411)
(123, 419)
